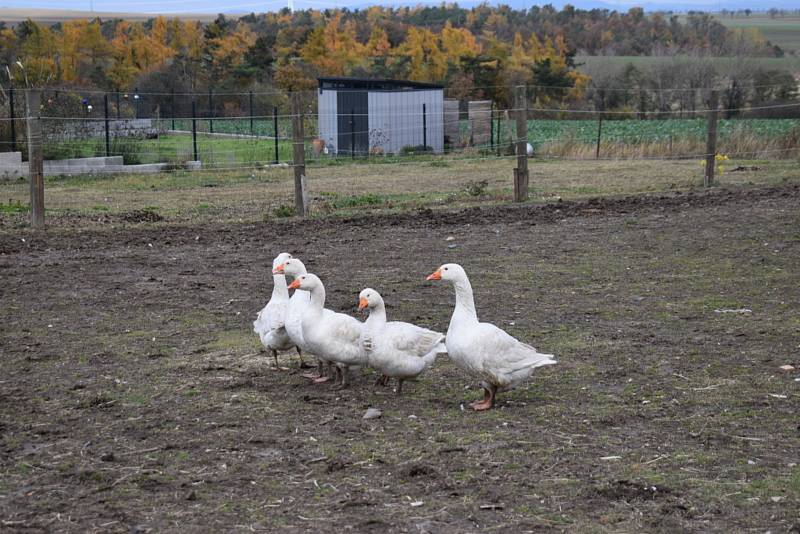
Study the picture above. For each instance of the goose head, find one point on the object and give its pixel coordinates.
(369, 298)
(280, 259)
(306, 282)
(452, 272)
(292, 266)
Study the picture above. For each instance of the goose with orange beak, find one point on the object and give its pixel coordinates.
(396, 349)
(482, 349)
(294, 314)
(332, 336)
(270, 323)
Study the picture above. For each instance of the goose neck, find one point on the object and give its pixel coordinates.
(317, 297)
(279, 287)
(465, 301)
(377, 315)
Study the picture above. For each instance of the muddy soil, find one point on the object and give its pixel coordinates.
(135, 398)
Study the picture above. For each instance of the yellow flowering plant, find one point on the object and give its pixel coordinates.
(719, 163)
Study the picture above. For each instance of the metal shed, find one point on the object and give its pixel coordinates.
(359, 115)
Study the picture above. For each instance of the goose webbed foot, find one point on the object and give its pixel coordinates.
(488, 399)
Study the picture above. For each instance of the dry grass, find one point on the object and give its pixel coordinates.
(253, 195)
(741, 144)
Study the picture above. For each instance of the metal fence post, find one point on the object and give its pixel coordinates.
(136, 97)
(35, 156)
(491, 126)
(252, 130)
(521, 172)
(711, 142)
(13, 119)
(118, 104)
(108, 136)
(352, 134)
(499, 132)
(210, 112)
(424, 129)
(599, 135)
(299, 153)
(275, 126)
(172, 105)
(194, 129)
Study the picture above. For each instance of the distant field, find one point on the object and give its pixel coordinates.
(594, 64)
(782, 31)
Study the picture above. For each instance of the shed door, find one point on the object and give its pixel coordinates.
(353, 122)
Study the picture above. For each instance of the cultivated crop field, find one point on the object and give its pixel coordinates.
(783, 31)
(135, 397)
(675, 138)
(597, 63)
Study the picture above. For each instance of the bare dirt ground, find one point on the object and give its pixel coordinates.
(134, 397)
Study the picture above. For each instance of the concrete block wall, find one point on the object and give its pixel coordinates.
(11, 167)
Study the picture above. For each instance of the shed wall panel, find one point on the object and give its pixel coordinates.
(395, 119)
(328, 130)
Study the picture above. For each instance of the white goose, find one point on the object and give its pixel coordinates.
(331, 336)
(396, 349)
(297, 304)
(483, 349)
(270, 321)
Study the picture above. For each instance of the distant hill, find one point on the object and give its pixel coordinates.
(205, 10)
(14, 15)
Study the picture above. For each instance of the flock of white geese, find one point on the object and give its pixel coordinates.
(395, 349)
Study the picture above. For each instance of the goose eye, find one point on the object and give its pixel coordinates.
(445, 268)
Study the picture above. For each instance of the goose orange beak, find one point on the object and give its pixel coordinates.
(362, 303)
(295, 284)
(435, 275)
(278, 269)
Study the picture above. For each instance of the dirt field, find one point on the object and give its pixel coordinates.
(135, 399)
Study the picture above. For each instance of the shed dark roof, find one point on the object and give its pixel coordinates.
(377, 84)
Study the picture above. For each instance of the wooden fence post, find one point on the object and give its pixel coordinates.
(35, 156)
(521, 171)
(711, 143)
(299, 158)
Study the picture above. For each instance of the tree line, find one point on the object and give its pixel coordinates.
(478, 52)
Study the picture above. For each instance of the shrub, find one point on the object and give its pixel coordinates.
(128, 148)
(283, 211)
(476, 188)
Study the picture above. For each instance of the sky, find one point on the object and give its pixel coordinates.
(246, 6)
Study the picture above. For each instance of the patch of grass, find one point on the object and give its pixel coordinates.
(14, 207)
(367, 199)
(284, 210)
(233, 339)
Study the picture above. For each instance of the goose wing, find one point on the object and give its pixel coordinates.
(412, 339)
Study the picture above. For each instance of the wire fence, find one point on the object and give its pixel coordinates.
(171, 131)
